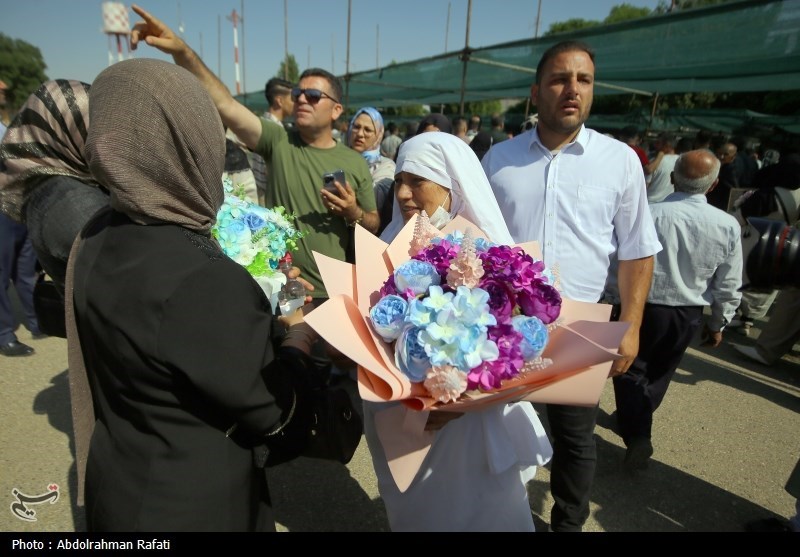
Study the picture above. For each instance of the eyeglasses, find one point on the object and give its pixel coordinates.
(313, 96)
(367, 131)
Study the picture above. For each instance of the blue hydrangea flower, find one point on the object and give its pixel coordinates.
(476, 348)
(472, 306)
(419, 314)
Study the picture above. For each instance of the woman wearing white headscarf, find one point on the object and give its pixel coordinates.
(364, 135)
(475, 474)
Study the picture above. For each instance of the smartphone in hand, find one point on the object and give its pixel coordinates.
(329, 178)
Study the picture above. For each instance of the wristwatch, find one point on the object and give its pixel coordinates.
(353, 223)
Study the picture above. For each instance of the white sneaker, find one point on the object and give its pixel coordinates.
(752, 353)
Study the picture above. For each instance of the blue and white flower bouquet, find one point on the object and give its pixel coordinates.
(466, 314)
(441, 321)
(255, 237)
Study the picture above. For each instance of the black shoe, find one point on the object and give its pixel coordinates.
(39, 336)
(637, 457)
(16, 348)
(768, 525)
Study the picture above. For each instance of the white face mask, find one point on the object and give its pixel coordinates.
(440, 216)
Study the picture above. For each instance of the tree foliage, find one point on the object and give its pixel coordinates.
(619, 13)
(290, 71)
(574, 24)
(625, 12)
(21, 68)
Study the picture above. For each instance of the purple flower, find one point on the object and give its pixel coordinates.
(388, 287)
(501, 300)
(489, 375)
(542, 301)
(438, 255)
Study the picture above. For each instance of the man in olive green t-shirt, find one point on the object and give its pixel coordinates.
(295, 182)
(299, 158)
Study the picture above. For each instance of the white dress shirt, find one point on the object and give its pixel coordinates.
(660, 184)
(583, 204)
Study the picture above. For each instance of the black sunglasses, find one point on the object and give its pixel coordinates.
(313, 96)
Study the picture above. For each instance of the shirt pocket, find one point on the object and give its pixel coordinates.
(595, 205)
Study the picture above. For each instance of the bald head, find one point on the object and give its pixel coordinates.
(695, 171)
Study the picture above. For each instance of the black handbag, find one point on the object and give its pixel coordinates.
(336, 426)
(48, 303)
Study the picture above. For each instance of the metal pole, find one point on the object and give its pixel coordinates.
(180, 21)
(652, 113)
(234, 17)
(244, 67)
(465, 57)
(538, 18)
(377, 46)
(447, 27)
(201, 45)
(119, 48)
(285, 40)
(347, 63)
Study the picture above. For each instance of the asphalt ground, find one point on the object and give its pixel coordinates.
(725, 438)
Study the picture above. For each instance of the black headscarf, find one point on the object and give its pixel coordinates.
(439, 120)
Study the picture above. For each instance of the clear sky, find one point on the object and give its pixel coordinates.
(70, 34)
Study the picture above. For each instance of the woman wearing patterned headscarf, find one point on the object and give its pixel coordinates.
(45, 182)
(364, 134)
(191, 398)
(474, 476)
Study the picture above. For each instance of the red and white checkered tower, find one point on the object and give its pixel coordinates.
(236, 18)
(116, 23)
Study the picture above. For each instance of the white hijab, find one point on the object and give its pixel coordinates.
(448, 161)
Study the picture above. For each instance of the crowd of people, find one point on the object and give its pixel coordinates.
(177, 400)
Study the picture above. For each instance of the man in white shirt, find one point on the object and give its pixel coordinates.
(582, 196)
(660, 168)
(700, 265)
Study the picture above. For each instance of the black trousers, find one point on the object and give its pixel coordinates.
(665, 335)
(573, 465)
